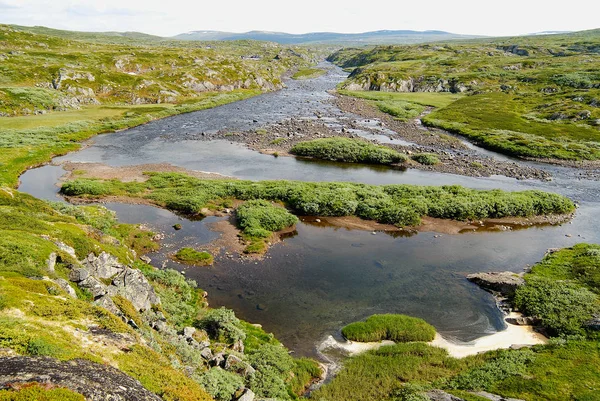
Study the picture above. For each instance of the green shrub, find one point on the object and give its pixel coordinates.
(426, 159)
(259, 218)
(399, 328)
(221, 384)
(563, 307)
(38, 392)
(222, 325)
(273, 365)
(506, 364)
(191, 256)
(347, 150)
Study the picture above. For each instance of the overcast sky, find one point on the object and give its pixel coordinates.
(168, 18)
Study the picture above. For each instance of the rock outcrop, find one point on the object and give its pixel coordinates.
(504, 283)
(94, 381)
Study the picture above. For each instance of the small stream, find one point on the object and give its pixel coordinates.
(321, 278)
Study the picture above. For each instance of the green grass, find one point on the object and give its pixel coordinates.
(347, 150)
(398, 328)
(402, 205)
(309, 73)
(432, 99)
(191, 256)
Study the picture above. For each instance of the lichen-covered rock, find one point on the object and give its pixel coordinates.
(247, 395)
(103, 266)
(66, 287)
(439, 395)
(505, 283)
(95, 286)
(133, 285)
(94, 381)
(77, 275)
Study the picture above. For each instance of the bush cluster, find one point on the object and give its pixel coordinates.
(347, 150)
(193, 257)
(399, 328)
(259, 218)
(427, 159)
(402, 205)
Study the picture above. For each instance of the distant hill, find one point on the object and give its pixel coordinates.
(114, 37)
(375, 37)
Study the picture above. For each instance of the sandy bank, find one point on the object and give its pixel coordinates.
(512, 336)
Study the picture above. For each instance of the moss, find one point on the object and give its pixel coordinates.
(347, 150)
(426, 159)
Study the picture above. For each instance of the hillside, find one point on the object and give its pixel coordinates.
(535, 96)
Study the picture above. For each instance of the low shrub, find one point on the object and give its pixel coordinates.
(399, 328)
(347, 150)
(259, 218)
(426, 159)
(191, 256)
(222, 325)
(219, 383)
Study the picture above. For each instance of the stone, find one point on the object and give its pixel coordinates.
(218, 359)
(247, 395)
(133, 285)
(207, 354)
(145, 259)
(103, 266)
(95, 381)
(188, 332)
(238, 346)
(439, 395)
(107, 303)
(494, 397)
(66, 287)
(95, 286)
(521, 321)
(51, 262)
(236, 365)
(77, 275)
(593, 324)
(504, 283)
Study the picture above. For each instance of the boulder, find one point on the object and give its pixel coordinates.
(133, 285)
(107, 303)
(78, 275)
(188, 332)
(103, 266)
(64, 285)
(247, 395)
(207, 354)
(95, 286)
(505, 283)
(236, 365)
(439, 395)
(218, 359)
(521, 320)
(145, 259)
(51, 262)
(494, 397)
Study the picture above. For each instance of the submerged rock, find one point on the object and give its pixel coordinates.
(505, 283)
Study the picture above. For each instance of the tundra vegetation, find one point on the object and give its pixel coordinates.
(56, 89)
(562, 291)
(533, 96)
(401, 205)
(191, 256)
(59, 88)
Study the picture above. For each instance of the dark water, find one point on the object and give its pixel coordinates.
(323, 277)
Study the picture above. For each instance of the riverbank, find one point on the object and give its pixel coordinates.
(405, 137)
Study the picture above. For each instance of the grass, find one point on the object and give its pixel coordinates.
(402, 205)
(309, 73)
(398, 328)
(347, 150)
(191, 256)
(542, 103)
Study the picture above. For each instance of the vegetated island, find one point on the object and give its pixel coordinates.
(560, 295)
(398, 205)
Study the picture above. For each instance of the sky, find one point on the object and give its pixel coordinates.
(168, 18)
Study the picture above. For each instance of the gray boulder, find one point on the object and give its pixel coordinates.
(95, 286)
(51, 262)
(78, 275)
(439, 395)
(103, 266)
(133, 285)
(505, 283)
(236, 365)
(64, 285)
(494, 397)
(247, 395)
(107, 303)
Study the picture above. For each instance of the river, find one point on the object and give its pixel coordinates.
(322, 278)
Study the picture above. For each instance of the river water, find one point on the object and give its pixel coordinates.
(321, 278)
